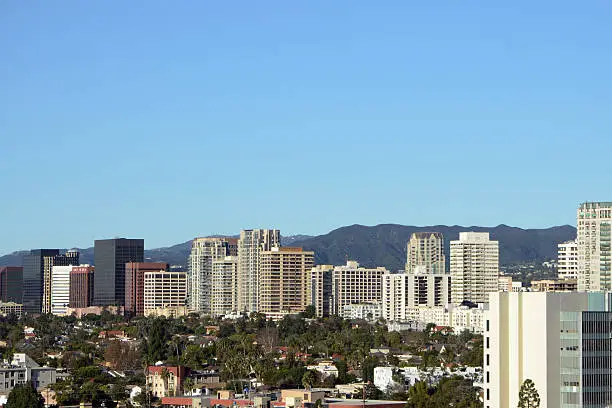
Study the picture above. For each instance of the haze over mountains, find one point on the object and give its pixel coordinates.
(380, 245)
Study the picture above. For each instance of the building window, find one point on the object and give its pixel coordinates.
(487, 342)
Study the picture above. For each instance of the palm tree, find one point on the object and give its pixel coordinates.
(165, 375)
(188, 385)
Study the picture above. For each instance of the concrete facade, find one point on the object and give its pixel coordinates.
(594, 223)
(558, 340)
(250, 244)
(474, 266)
(567, 260)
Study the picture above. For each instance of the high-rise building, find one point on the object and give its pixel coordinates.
(11, 284)
(250, 244)
(394, 297)
(284, 280)
(110, 257)
(403, 291)
(134, 284)
(36, 266)
(224, 286)
(474, 267)
(81, 286)
(70, 258)
(560, 341)
(594, 222)
(321, 295)
(425, 253)
(567, 260)
(60, 289)
(204, 253)
(165, 293)
(353, 284)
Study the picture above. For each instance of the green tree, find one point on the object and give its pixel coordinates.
(310, 312)
(418, 396)
(309, 379)
(24, 396)
(528, 395)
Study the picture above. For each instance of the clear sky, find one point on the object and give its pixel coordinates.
(169, 120)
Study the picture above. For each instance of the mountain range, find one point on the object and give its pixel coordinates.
(380, 245)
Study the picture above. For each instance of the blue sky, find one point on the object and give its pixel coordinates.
(169, 120)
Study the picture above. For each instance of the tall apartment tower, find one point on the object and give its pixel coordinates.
(81, 286)
(11, 284)
(250, 245)
(204, 253)
(110, 257)
(165, 293)
(560, 341)
(60, 289)
(353, 284)
(134, 284)
(594, 263)
(224, 286)
(321, 296)
(474, 267)
(36, 265)
(284, 280)
(425, 253)
(62, 264)
(567, 260)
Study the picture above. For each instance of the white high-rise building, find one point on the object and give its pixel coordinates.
(594, 222)
(425, 282)
(165, 293)
(567, 260)
(60, 289)
(224, 286)
(560, 341)
(352, 284)
(474, 267)
(204, 253)
(401, 292)
(250, 245)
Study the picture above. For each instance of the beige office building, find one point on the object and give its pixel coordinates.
(165, 293)
(567, 260)
(204, 253)
(353, 284)
(594, 256)
(284, 280)
(250, 244)
(224, 286)
(474, 267)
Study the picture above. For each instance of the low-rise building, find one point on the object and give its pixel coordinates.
(23, 369)
(554, 285)
(325, 369)
(165, 381)
(363, 311)
(8, 308)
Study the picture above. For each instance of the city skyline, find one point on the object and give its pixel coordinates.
(417, 113)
